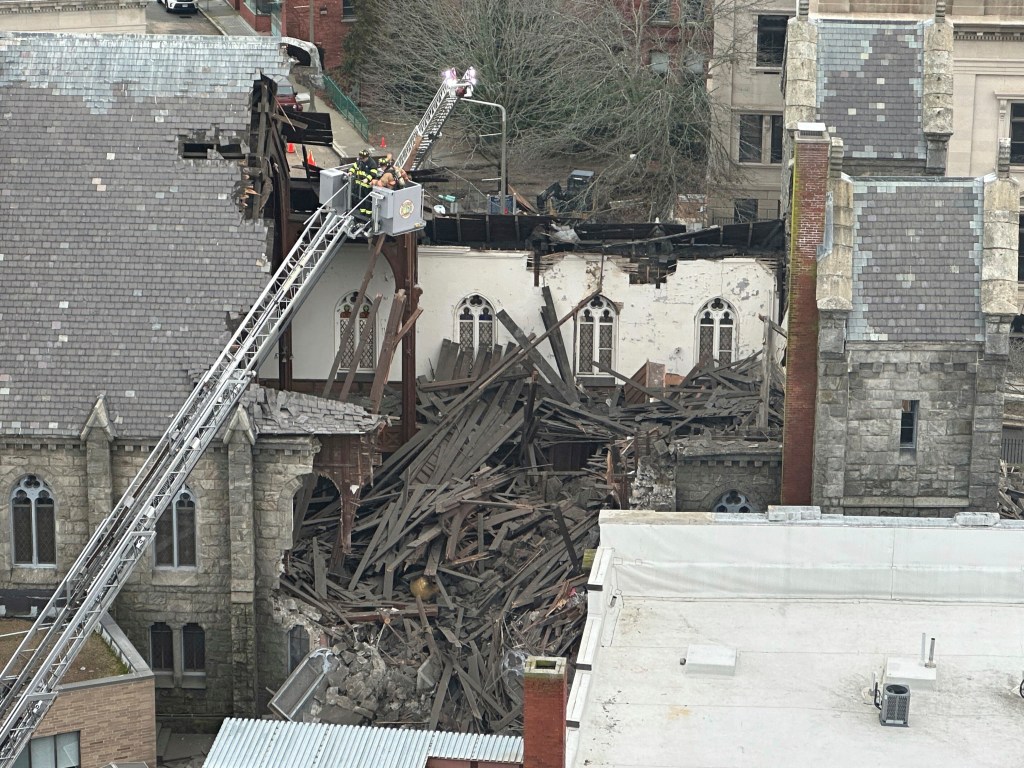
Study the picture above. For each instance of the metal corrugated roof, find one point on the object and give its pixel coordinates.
(279, 744)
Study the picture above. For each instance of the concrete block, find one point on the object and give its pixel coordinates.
(778, 513)
(710, 660)
(976, 519)
(910, 672)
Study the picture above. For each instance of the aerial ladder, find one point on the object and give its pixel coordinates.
(29, 680)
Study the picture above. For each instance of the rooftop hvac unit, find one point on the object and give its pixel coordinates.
(894, 708)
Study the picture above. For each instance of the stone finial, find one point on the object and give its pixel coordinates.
(835, 158)
(1003, 161)
(940, 11)
(803, 7)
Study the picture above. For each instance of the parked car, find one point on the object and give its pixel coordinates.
(287, 97)
(180, 6)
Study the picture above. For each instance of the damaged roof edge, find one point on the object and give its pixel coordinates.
(305, 54)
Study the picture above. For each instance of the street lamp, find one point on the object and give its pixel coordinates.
(503, 183)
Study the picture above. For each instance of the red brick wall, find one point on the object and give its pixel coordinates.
(810, 186)
(545, 695)
(329, 28)
(116, 721)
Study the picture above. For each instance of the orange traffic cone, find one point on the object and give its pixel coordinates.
(291, 148)
(383, 142)
(309, 158)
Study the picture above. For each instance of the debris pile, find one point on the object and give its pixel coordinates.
(1011, 492)
(468, 550)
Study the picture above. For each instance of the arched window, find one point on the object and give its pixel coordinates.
(734, 501)
(475, 319)
(716, 332)
(298, 646)
(595, 336)
(193, 649)
(364, 325)
(33, 515)
(176, 532)
(161, 648)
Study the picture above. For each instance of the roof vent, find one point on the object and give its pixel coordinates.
(893, 705)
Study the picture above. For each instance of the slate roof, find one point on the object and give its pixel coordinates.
(870, 85)
(292, 413)
(119, 259)
(917, 260)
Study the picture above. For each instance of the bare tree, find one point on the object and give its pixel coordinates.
(615, 85)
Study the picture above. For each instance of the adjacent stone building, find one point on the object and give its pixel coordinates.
(915, 290)
(125, 259)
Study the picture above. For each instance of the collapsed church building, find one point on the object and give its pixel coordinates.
(427, 511)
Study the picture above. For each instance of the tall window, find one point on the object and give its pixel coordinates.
(161, 648)
(908, 424)
(58, 751)
(176, 532)
(771, 40)
(193, 648)
(368, 357)
(744, 210)
(595, 335)
(475, 318)
(760, 139)
(34, 518)
(661, 10)
(716, 332)
(1017, 133)
(298, 646)
(348, 9)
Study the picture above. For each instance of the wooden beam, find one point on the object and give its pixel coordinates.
(549, 317)
(567, 390)
(387, 351)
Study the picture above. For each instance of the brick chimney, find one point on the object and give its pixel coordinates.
(809, 198)
(545, 695)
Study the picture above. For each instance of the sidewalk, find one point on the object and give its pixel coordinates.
(347, 140)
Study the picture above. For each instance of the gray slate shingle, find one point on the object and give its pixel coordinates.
(917, 260)
(870, 85)
(292, 413)
(119, 259)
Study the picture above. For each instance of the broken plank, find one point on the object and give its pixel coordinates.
(567, 390)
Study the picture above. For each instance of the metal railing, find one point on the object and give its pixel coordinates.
(347, 108)
(1013, 451)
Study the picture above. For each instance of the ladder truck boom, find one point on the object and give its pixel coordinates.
(30, 678)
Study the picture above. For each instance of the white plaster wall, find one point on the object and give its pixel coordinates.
(657, 324)
(983, 71)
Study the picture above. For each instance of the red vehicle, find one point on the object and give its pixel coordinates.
(287, 97)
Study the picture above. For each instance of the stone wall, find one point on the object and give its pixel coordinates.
(861, 468)
(746, 475)
(61, 465)
(179, 596)
(279, 467)
(243, 505)
(698, 471)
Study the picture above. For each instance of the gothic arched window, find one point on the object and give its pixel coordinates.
(364, 325)
(33, 515)
(474, 320)
(716, 332)
(595, 338)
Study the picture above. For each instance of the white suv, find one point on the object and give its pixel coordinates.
(180, 6)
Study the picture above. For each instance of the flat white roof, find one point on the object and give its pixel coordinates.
(812, 609)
